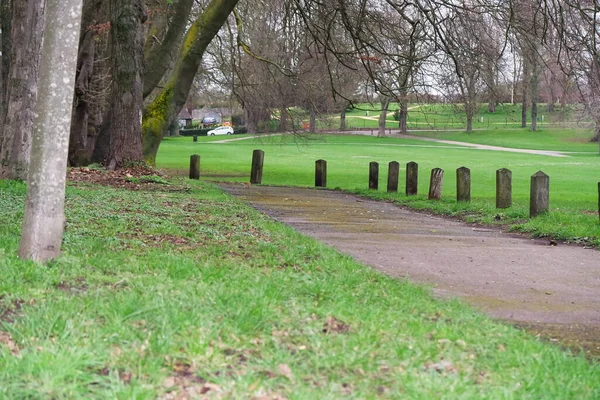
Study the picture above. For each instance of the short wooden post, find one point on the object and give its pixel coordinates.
(412, 178)
(373, 175)
(435, 184)
(393, 173)
(539, 199)
(463, 184)
(258, 157)
(321, 173)
(503, 188)
(195, 166)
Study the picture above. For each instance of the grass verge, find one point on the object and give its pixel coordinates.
(181, 290)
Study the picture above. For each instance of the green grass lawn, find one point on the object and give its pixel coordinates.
(288, 161)
(179, 289)
(447, 116)
(567, 140)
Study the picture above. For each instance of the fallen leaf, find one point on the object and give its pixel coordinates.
(334, 325)
(7, 340)
(286, 371)
(442, 366)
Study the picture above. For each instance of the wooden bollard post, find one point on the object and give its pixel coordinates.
(503, 188)
(258, 157)
(435, 184)
(195, 166)
(463, 184)
(393, 173)
(373, 175)
(412, 178)
(539, 200)
(321, 173)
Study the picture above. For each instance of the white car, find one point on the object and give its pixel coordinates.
(221, 130)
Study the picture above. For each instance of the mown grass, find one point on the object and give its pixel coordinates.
(448, 116)
(181, 289)
(573, 180)
(565, 140)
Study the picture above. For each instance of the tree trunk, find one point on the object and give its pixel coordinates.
(44, 217)
(469, 123)
(343, 118)
(403, 117)
(535, 71)
(82, 120)
(5, 22)
(525, 89)
(492, 106)
(123, 128)
(283, 119)
(26, 38)
(313, 119)
(161, 111)
(159, 54)
(385, 103)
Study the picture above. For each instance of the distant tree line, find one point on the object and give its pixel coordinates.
(290, 60)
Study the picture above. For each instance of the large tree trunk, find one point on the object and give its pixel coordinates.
(160, 53)
(44, 217)
(26, 38)
(79, 141)
(162, 109)
(5, 21)
(122, 126)
(385, 103)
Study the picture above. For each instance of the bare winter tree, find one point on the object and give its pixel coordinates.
(578, 27)
(120, 137)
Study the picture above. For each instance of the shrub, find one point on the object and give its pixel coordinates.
(238, 130)
(192, 132)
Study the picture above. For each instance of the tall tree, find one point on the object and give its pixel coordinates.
(120, 137)
(5, 18)
(92, 84)
(26, 37)
(44, 218)
(161, 111)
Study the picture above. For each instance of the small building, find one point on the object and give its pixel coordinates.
(185, 118)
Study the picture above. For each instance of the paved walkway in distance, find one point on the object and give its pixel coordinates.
(550, 153)
(552, 290)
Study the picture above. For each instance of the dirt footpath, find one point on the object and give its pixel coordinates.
(551, 290)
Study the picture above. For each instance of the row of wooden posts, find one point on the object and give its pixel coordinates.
(539, 188)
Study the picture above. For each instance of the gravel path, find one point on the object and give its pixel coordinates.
(553, 290)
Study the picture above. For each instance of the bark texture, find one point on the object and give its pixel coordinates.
(385, 103)
(5, 20)
(403, 116)
(159, 114)
(120, 139)
(88, 96)
(160, 53)
(44, 217)
(26, 37)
